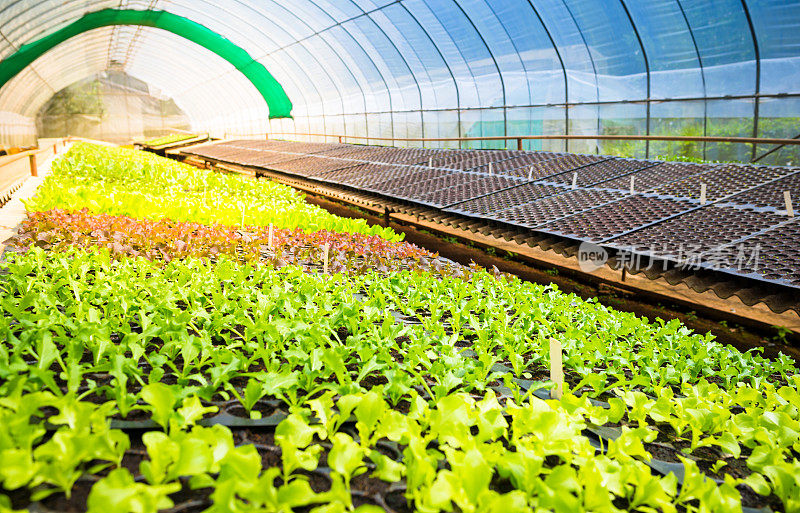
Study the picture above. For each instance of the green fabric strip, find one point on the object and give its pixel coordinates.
(279, 104)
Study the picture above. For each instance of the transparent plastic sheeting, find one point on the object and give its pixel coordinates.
(449, 68)
(272, 92)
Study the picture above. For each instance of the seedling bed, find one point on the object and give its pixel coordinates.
(401, 390)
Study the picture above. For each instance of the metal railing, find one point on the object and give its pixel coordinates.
(15, 168)
(520, 138)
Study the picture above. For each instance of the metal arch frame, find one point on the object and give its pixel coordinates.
(702, 70)
(494, 60)
(287, 56)
(460, 52)
(523, 67)
(413, 49)
(292, 59)
(402, 58)
(371, 60)
(647, 70)
(419, 91)
(444, 62)
(591, 58)
(757, 55)
(100, 69)
(318, 33)
(99, 51)
(337, 84)
(262, 14)
(563, 69)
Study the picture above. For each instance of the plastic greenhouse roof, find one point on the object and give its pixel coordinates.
(341, 57)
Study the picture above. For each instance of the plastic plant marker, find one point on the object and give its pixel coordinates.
(490, 169)
(325, 251)
(787, 198)
(269, 239)
(530, 173)
(633, 179)
(702, 194)
(430, 161)
(556, 368)
(575, 180)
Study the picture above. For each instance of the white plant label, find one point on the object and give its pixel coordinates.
(556, 369)
(325, 252)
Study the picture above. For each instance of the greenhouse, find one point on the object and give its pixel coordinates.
(335, 256)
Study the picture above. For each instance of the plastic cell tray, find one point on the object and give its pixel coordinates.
(770, 195)
(464, 188)
(419, 190)
(629, 213)
(406, 176)
(313, 165)
(344, 175)
(488, 205)
(541, 211)
(365, 153)
(777, 250)
(290, 146)
(520, 166)
(722, 181)
(411, 156)
(372, 174)
(215, 151)
(600, 172)
(697, 231)
(560, 164)
(460, 193)
(652, 177)
(466, 160)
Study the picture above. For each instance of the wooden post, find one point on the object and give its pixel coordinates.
(556, 369)
(34, 168)
(340, 139)
(519, 144)
(787, 198)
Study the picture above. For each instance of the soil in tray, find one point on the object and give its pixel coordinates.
(666, 448)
